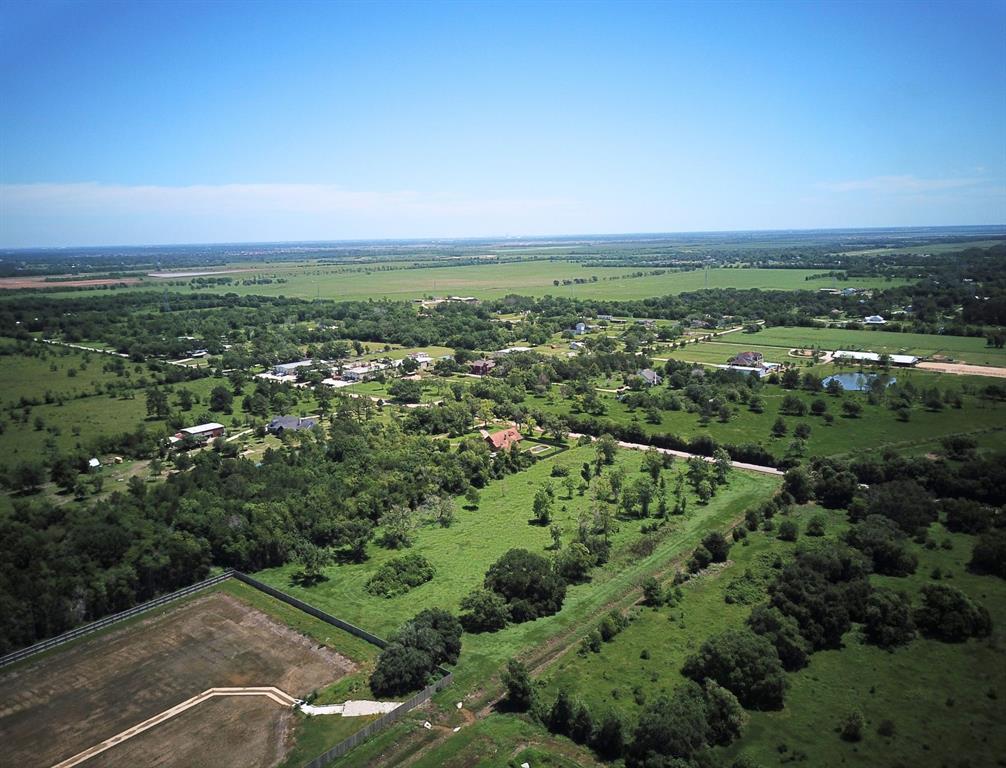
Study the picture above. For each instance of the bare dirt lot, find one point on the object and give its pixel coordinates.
(14, 283)
(72, 699)
(963, 369)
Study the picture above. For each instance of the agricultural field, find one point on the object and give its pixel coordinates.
(136, 670)
(953, 683)
(492, 280)
(462, 553)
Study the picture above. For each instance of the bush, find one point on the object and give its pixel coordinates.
(700, 559)
(432, 638)
(788, 530)
(784, 634)
(966, 516)
(816, 526)
(948, 614)
(745, 664)
(905, 502)
(399, 575)
(852, 726)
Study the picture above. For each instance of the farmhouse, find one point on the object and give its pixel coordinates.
(651, 377)
(874, 320)
(482, 367)
(580, 328)
(747, 359)
(282, 424)
(502, 441)
(873, 357)
(362, 372)
(287, 369)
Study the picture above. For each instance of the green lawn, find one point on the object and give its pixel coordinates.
(462, 553)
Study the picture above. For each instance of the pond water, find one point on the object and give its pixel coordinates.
(858, 382)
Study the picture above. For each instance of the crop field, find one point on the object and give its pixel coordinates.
(949, 683)
(462, 553)
(99, 686)
(969, 349)
(490, 281)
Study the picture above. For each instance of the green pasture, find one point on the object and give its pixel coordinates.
(876, 428)
(966, 349)
(462, 553)
(938, 695)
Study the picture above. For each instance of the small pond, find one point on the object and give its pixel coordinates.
(858, 382)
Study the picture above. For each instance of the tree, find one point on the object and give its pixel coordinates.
(484, 611)
(520, 689)
(905, 502)
(966, 516)
(221, 399)
(802, 431)
(582, 728)
(722, 465)
(796, 482)
(700, 559)
(652, 593)
(157, 403)
(816, 526)
(574, 563)
(888, 620)
(717, 546)
(560, 716)
(400, 669)
(607, 447)
(834, 387)
(527, 583)
(406, 390)
(674, 727)
(472, 496)
(543, 499)
(989, 554)
(779, 428)
(653, 463)
(609, 737)
(28, 475)
(745, 664)
(725, 716)
(399, 524)
(784, 633)
(818, 407)
(882, 541)
(948, 614)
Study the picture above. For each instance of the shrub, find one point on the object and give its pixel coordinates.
(399, 575)
(788, 530)
(816, 526)
(880, 539)
(484, 611)
(966, 516)
(700, 559)
(520, 688)
(852, 726)
(717, 546)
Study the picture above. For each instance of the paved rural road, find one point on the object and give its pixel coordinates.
(686, 455)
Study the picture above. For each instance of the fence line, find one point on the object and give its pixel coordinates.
(321, 760)
(94, 626)
(381, 723)
(307, 608)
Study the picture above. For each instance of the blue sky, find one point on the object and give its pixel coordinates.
(149, 122)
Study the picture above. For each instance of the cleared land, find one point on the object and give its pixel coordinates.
(98, 687)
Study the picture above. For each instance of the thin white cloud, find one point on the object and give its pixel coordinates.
(92, 198)
(899, 185)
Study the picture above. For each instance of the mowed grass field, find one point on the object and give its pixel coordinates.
(462, 553)
(226, 637)
(876, 428)
(942, 698)
(490, 281)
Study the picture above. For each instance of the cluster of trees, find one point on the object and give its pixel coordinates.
(330, 494)
(520, 586)
(415, 652)
(400, 574)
